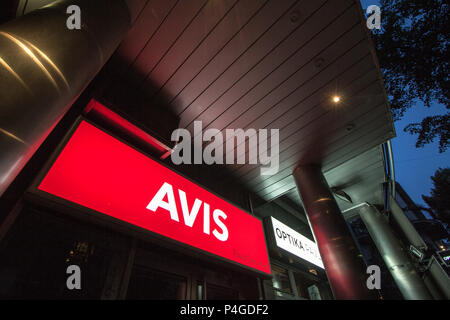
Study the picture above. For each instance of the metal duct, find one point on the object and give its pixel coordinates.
(440, 277)
(406, 226)
(44, 67)
(402, 270)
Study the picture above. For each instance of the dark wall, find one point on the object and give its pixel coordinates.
(272, 209)
(8, 10)
(133, 104)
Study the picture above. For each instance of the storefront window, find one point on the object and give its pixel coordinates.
(200, 291)
(280, 280)
(290, 283)
(147, 284)
(38, 249)
(214, 292)
(306, 287)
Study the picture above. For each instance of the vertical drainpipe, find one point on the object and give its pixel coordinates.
(44, 67)
(391, 166)
(345, 269)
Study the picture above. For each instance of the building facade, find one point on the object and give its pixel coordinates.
(92, 115)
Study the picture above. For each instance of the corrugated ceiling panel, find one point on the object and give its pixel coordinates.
(206, 67)
(294, 136)
(266, 64)
(163, 40)
(148, 22)
(240, 79)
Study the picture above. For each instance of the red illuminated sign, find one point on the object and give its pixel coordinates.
(97, 171)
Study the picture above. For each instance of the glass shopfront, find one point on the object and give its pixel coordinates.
(42, 243)
(291, 283)
(36, 251)
(91, 207)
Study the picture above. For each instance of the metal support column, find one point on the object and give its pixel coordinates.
(45, 66)
(400, 266)
(345, 269)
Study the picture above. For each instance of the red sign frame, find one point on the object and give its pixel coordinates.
(97, 171)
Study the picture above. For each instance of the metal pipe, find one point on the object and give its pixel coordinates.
(406, 226)
(432, 286)
(402, 270)
(440, 277)
(44, 67)
(345, 269)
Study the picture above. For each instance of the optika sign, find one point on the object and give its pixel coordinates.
(213, 153)
(103, 174)
(295, 243)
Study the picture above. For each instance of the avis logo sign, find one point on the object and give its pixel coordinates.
(74, 20)
(374, 280)
(189, 216)
(373, 17)
(74, 280)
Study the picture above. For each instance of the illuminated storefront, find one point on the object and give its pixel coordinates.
(131, 223)
(87, 119)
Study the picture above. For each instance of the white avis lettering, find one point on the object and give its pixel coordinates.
(189, 215)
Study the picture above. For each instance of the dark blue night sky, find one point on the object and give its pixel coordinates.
(414, 166)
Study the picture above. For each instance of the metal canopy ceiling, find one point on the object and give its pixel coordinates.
(269, 64)
(360, 177)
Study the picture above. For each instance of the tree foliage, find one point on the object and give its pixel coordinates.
(431, 127)
(439, 200)
(412, 47)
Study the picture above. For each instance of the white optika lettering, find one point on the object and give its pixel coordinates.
(213, 153)
(295, 243)
(189, 216)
